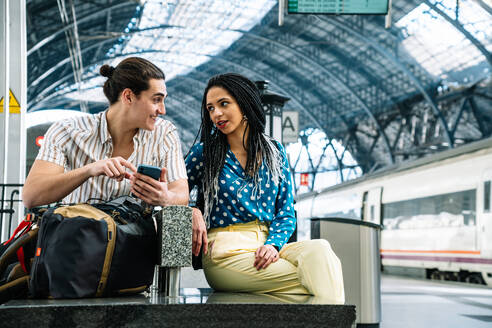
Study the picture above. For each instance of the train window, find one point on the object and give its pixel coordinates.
(446, 210)
(338, 206)
(372, 212)
(486, 196)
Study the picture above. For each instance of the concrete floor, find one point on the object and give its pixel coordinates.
(410, 302)
(193, 278)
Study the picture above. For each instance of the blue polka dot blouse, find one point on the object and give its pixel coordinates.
(238, 203)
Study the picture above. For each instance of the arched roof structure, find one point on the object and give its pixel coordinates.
(383, 93)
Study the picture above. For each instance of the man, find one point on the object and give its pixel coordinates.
(95, 156)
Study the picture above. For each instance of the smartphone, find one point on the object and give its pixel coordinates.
(149, 170)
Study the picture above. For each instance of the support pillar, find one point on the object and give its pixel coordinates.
(13, 83)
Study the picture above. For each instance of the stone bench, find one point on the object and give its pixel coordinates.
(192, 308)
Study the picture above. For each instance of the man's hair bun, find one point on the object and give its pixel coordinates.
(133, 73)
(106, 70)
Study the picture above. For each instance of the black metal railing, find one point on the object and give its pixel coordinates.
(8, 204)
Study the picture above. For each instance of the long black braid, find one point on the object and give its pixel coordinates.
(259, 147)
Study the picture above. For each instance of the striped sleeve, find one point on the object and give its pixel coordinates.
(55, 139)
(173, 158)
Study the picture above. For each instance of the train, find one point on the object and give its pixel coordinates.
(435, 212)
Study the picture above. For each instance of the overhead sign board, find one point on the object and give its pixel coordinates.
(290, 127)
(338, 7)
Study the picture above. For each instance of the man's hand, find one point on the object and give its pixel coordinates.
(199, 233)
(115, 168)
(265, 255)
(151, 191)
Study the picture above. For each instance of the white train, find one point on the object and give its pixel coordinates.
(436, 212)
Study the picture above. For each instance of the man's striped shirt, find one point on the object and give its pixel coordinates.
(76, 142)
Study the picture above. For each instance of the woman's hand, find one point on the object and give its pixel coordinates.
(265, 255)
(199, 233)
(114, 168)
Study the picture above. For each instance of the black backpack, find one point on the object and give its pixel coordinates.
(94, 250)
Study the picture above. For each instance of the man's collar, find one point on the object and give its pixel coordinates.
(140, 135)
(106, 136)
(103, 128)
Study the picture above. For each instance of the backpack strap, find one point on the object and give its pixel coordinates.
(108, 257)
(20, 256)
(20, 245)
(27, 223)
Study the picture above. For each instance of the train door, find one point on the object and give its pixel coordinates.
(363, 210)
(371, 205)
(485, 209)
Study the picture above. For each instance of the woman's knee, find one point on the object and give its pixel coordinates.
(317, 245)
(318, 251)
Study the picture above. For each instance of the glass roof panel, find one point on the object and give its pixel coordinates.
(440, 47)
(180, 35)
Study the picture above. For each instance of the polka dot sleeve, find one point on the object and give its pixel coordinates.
(284, 221)
(194, 165)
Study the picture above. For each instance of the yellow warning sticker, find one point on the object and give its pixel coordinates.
(14, 107)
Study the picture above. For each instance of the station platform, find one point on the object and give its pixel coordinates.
(412, 303)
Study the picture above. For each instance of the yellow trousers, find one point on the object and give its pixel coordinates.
(307, 267)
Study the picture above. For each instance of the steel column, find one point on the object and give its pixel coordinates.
(13, 81)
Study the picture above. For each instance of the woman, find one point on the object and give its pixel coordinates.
(243, 182)
(90, 156)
